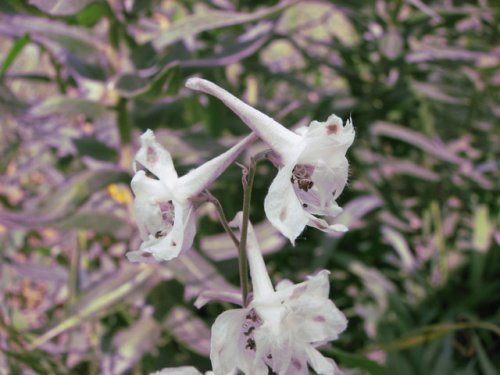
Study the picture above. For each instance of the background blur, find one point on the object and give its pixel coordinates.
(417, 274)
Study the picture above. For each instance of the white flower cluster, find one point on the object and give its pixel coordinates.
(282, 326)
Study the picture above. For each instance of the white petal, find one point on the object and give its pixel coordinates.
(325, 227)
(156, 158)
(200, 178)
(261, 283)
(228, 351)
(217, 295)
(150, 194)
(283, 208)
(279, 138)
(327, 140)
(320, 364)
(185, 370)
(168, 247)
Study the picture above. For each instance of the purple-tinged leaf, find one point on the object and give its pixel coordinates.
(433, 91)
(210, 20)
(131, 344)
(388, 218)
(391, 167)
(356, 209)
(65, 200)
(60, 105)
(97, 222)
(435, 148)
(189, 330)
(391, 45)
(220, 247)
(61, 7)
(399, 243)
(198, 275)
(443, 54)
(232, 53)
(130, 281)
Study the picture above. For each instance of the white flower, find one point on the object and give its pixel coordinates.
(280, 328)
(164, 211)
(313, 165)
(185, 370)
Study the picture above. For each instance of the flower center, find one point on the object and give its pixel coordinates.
(168, 216)
(301, 174)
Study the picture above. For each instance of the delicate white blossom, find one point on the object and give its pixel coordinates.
(184, 370)
(313, 167)
(163, 201)
(279, 328)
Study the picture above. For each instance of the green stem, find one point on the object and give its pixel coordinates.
(222, 218)
(243, 261)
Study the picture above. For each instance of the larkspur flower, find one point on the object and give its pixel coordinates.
(313, 167)
(163, 201)
(280, 328)
(184, 370)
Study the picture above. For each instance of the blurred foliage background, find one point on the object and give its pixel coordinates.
(417, 274)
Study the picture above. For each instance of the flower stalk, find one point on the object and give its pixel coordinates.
(248, 178)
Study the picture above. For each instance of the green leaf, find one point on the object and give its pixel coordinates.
(61, 105)
(429, 333)
(92, 147)
(485, 363)
(197, 23)
(15, 50)
(61, 7)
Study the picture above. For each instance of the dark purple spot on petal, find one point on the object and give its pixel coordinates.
(250, 329)
(251, 344)
(146, 255)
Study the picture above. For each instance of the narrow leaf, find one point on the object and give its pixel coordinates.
(197, 23)
(15, 50)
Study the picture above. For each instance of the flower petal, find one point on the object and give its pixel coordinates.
(279, 138)
(261, 282)
(323, 225)
(283, 208)
(218, 295)
(229, 348)
(319, 363)
(327, 140)
(184, 370)
(150, 195)
(156, 159)
(197, 180)
(171, 244)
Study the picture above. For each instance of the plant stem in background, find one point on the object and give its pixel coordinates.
(248, 178)
(125, 131)
(80, 246)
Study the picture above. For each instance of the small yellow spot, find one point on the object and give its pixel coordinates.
(119, 193)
